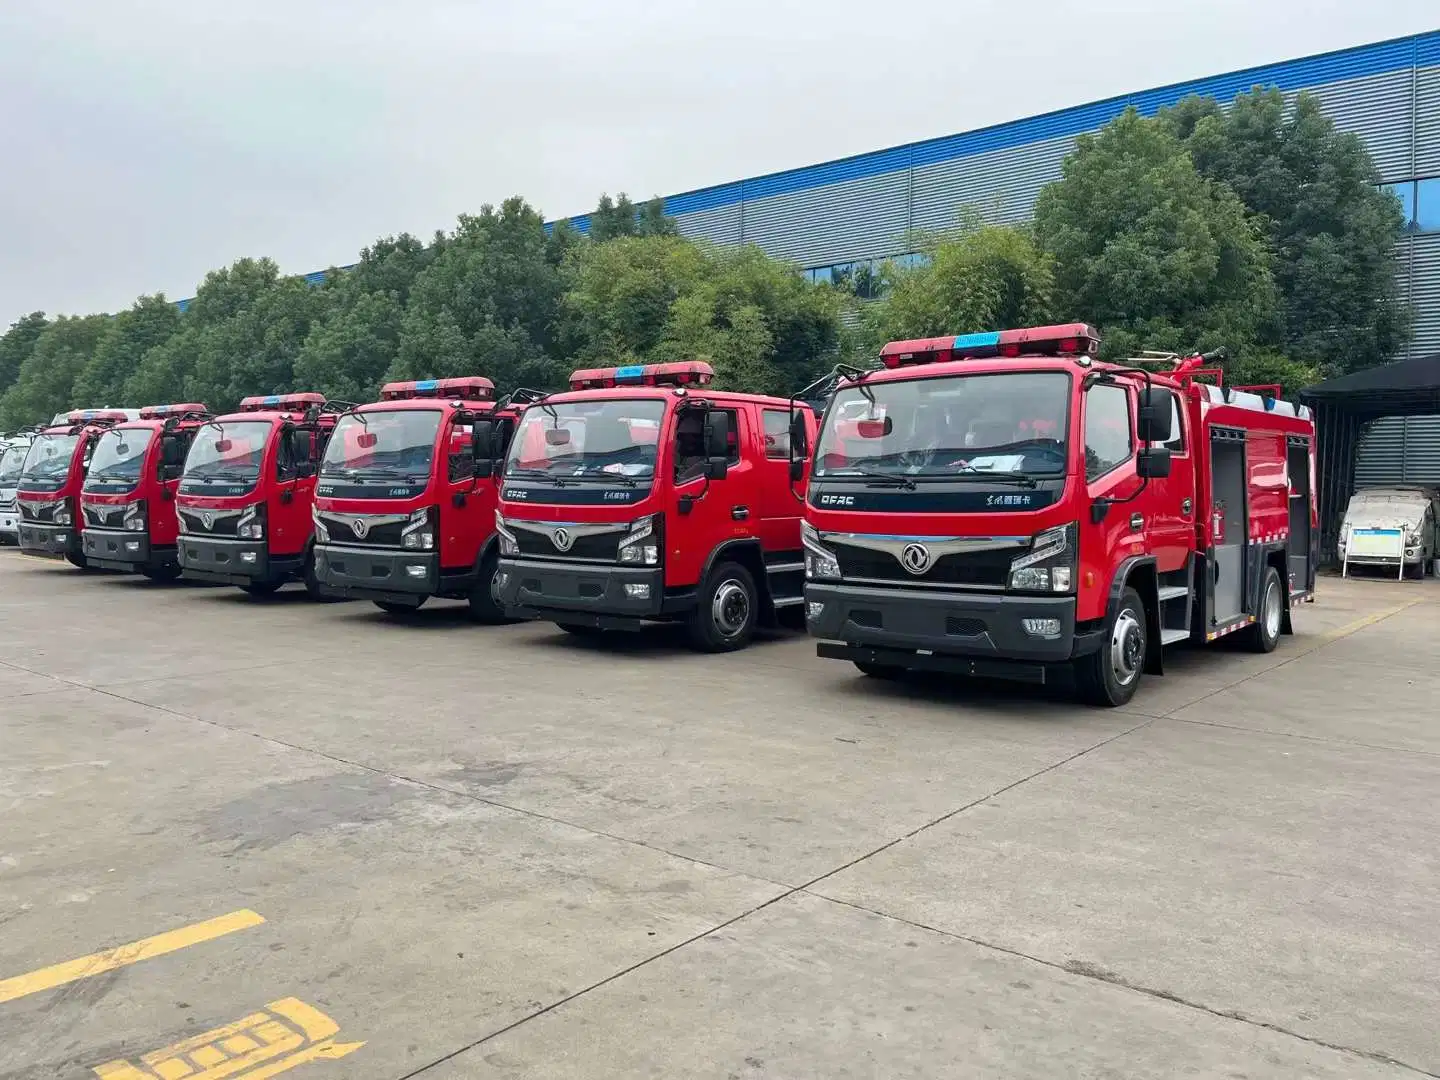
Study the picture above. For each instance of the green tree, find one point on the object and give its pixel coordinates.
(653, 220)
(1314, 193)
(17, 343)
(1155, 254)
(612, 218)
(619, 295)
(980, 277)
(152, 321)
(46, 380)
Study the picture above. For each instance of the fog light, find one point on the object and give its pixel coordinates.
(247, 556)
(637, 592)
(1047, 628)
(1060, 578)
(132, 545)
(502, 579)
(61, 538)
(814, 608)
(415, 571)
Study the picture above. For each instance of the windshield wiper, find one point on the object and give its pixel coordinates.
(538, 474)
(609, 478)
(1014, 478)
(876, 477)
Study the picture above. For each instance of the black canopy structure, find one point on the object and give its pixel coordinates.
(1343, 407)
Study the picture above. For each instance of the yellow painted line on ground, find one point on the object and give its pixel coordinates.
(98, 963)
(1366, 620)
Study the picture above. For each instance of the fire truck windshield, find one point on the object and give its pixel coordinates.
(1007, 423)
(616, 440)
(227, 453)
(11, 462)
(118, 458)
(383, 444)
(48, 462)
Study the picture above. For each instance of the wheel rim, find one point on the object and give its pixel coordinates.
(1272, 609)
(495, 586)
(1127, 647)
(731, 608)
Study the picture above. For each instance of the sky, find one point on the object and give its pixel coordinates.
(145, 142)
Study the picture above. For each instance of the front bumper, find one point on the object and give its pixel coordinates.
(358, 573)
(10, 521)
(585, 594)
(50, 541)
(929, 630)
(116, 549)
(233, 562)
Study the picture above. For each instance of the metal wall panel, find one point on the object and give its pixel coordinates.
(1379, 109)
(854, 219)
(720, 225)
(1001, 184)
(1425, 294)
(1427, 122)
(1399, 450)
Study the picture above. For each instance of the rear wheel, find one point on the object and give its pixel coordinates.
(724, 616)
(879, 671)
(1110, 675)
(390, 607)
(485, 596)
(1265, 634)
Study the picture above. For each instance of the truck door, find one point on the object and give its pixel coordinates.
(704, 514)
(164, 522)
(467, 511)
(296, 461)
(1169, 502)
(776, 514)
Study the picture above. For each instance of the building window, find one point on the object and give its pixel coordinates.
(1406, 193)
(1427, 205)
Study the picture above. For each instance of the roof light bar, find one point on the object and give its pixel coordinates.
(281, 402)
(685, 373)
(96, 416)
(469, 388)
(160, 412)
(1067, 339)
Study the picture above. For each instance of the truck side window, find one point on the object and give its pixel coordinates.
(285, 457)
(777, 434)
(462, 453)
(1108, 441)
(1176, 445)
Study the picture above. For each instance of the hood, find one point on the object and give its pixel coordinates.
(1388, 510)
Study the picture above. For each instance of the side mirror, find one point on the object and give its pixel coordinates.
(799, 436)
(484, 467)
(717, 435)
(1153, 423)
(172, 453)
(717, 468)
(1153, 463)
(305, 470)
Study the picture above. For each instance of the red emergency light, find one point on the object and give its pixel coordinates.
(161, 412)
(281, 402)
(96, 416)
(1067, 339)
(687, 372)
(469, 388)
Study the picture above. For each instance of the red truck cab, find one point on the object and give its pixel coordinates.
(48, 494)
(641, 495)
(1003, 504)
(128, 498)
(247, 494)
(405, 506)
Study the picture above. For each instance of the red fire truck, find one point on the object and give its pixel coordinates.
(641, 495)
(51, 524)
(128, 499)
(405, 507)
(1003, 504)
(248, 492)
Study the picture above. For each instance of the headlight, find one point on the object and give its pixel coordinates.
(63, 515)
(820, 561)
(1049, 566)
(321, 533)
(251, 525)
(135, 516)
(419, 532)
(508, 544)
(640, 546)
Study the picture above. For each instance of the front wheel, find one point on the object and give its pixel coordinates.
(78, 561)
(485, 596)
(161, 573)
(1265, 634)
(313, 589)
(1110, 675)
(724, 615)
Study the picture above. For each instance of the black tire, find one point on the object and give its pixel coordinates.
(580, 631)
(725, 611)
(484, 604)
(161, 573)
(1264, 635)
(880, 671)
(390, 607)
(313, 589)
(261, 588)
(1111, 675)
(78, 561)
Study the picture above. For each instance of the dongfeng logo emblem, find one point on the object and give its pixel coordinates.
(562, 539)
(208, 520)
(360, 529)
(915, 558)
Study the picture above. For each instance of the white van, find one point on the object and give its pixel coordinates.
(1414, 510)
(11, 459)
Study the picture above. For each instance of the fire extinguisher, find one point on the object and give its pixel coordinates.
(1217, 525)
